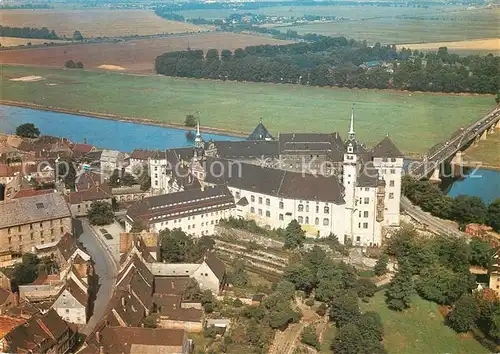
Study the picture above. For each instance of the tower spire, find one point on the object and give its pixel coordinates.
(198, 128)
(352, 134)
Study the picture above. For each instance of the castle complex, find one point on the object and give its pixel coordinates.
(325, 183)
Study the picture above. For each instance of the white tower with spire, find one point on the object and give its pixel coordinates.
(350, 175)
(198, 141)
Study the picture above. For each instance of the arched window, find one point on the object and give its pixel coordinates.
(307, 219)
(301, 207)
(268, 213)
(281, 216)
(281, 205)
(326, 222)
(327, 210)
(316, 221)
(301, 220)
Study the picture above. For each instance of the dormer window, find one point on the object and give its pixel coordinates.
(349, 149)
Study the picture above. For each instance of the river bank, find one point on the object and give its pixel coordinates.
(121, 118)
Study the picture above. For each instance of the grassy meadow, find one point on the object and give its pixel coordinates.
(415, 121)
(420, 329)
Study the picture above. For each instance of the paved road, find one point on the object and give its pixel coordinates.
(432, 223)
(105, 269)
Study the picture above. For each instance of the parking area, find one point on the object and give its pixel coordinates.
(110, 236)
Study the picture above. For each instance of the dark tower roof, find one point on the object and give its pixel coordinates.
(386, 148)
(260, 133)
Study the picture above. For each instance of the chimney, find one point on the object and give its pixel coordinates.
(98, 336)
(85, 140)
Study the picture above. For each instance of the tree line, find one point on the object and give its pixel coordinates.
(462, 209)
(336, 61)
(27, 32)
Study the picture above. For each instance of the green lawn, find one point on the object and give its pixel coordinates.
(415, 121)
(420, 330)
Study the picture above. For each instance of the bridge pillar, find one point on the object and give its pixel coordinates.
(492, 128)
(498, 124)
(457, 164)
(435, 176)
(484, 135)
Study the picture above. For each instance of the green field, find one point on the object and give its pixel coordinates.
(419, 330)
(454, 26)
(415, 121)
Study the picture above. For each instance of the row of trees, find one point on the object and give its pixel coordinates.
(70, 64)
(330, 61)
(437, 269)
(462, 209)
(27, 32)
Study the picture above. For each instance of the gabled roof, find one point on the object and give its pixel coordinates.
(260, 133)
(128, 340)
(94, 193)
(242, 202)
(76, 292)
(386, 148)
(217, 266)
(67, 246)
(140, 154)
(4, 295)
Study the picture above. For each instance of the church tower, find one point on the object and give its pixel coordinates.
(199, 145)
(349, 175)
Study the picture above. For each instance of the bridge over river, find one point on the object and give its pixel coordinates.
(449, 150)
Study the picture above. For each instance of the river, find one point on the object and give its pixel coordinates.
(125, 136)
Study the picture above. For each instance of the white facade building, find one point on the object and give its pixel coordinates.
(356, 197)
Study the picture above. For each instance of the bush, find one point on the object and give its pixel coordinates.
(237, 303)
(69, 64)
(321, 311)
(310, 302)
(309, 337)
(27, 130)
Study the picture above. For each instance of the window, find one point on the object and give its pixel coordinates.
(67, 310)
(367, 200)
(316, 221)
(10, 240)
(365, 225)
(317, 208)
(39, 205)
(31, 225)
(252, 198)
(202, 224)
(393, 171)
(359, 213)
(156, 175)
(211, 222)
(301, 220)
(391, 183)
(281, 217)
(268, 213)
(260, 200)
(307, 219)
(260, 211)
(252, 210)
(31, 236)
(156, 168)
(301, 207)
(281, 205)
(307, 208)
(365, 214)
(237, 195)
(391, 195)
(41, 233)
(367, 189)
(268, 201)
(327, 210)
(358, 238)
(8, 231)
(326, 222)
(189, 227)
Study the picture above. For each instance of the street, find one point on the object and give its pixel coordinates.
(105, 269)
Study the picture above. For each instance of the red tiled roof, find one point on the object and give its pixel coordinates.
(32, 192)
(82, 148)
(91, 194)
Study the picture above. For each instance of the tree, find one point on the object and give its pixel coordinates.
(294, 235)
(190, 121)
(494, 215)
(150, 321)
(301, 276)
(100, 213)
(370, 326)
(464, 314)
(497, 98)
(344, 308)
(309, 337)
(28, 130)
(70, 64)
(381, 265)
(192, 290)
(127, 180)
(349, 340)
(466, 209)
(440, 284)
(286, 288)
(77, 36)
(398, 295)
(366, 288)
(137, 226)
(79, 65)
(480, 253)
(177, 247)
(238, 275)
(26, 271)
(65, 171)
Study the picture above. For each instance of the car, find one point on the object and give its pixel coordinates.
(108, 236)
(103, 231)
